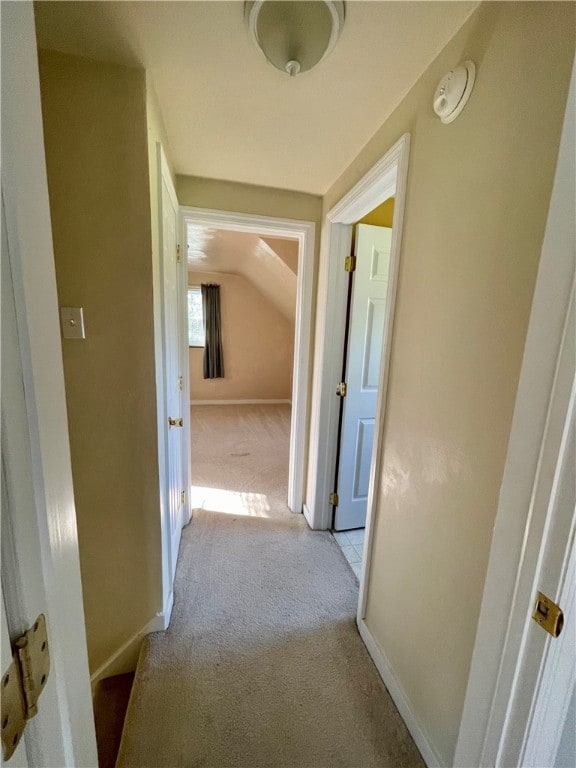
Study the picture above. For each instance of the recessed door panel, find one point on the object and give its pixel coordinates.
(373, 343)
(362, 460)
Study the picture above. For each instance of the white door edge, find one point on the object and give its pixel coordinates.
(498, 639)
(304, 232)
(29, 232)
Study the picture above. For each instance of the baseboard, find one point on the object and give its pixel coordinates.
(239, 402)
(400, 699)
(307, 515)
(125, 658)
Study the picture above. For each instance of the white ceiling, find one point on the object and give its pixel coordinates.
(228, 113)
(270, 264)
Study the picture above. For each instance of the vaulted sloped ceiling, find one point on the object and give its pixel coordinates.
(270, 265)
(228, 113)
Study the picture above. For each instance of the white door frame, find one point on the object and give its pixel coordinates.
(45, 537)
(388, 177)
(515, 550)
(162, 619)
(304, 232)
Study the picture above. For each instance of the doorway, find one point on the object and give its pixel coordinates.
(386, 179)
(242, 308)
(269, 230)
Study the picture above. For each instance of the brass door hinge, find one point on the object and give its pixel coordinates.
(341, 389)
(350, 263)
(180, 383)
(178, 253)
(23, 682)
(182, 497)
(549, 615)
(333, 499)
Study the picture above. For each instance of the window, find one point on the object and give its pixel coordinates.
(195, 318)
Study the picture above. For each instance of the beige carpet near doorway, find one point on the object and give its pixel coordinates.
(262, 666)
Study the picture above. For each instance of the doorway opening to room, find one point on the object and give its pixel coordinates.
(368, 269)
(367, 361)
(247, 419)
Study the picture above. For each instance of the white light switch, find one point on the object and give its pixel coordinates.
(72, 322)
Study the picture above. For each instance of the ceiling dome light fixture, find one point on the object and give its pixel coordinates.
(294, 36)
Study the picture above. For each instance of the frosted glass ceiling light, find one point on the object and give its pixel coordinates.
(294, 36)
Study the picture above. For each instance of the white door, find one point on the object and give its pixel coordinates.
(546, 671)
(367, 315)
(40, 569)
(173, 375)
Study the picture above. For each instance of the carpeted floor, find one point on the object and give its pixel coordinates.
(240, 458)
(262, 665)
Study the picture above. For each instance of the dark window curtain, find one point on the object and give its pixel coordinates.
(213, 357)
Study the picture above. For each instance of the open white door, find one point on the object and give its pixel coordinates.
(174, 376)
(40, 564)
(367, 316)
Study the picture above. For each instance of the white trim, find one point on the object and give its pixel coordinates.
(125, 658)
(304, 232)
(400, 698)
(240, 402)
(557, 678)
(47, 569)
(511, 567)
(386, 178)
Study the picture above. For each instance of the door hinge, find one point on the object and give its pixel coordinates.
(333, 499)
(180, 383)
(350, 263)
(182, 497)
(178, 253)
(341, 389)
(23, 682)
(549, 615)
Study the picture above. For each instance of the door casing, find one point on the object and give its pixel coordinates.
(304, 232)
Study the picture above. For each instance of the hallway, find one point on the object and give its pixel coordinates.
(262, 665)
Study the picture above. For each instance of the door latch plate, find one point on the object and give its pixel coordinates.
(549, 615)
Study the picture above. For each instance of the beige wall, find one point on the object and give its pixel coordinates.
(96, 152)
(478, 195)
(258, 345)
(247, 198)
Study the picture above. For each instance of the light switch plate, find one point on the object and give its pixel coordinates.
(72, 322)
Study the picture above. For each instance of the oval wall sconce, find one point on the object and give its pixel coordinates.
(453, 91)
(294, 36)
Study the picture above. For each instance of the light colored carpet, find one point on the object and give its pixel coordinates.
(240, 458)
(262, 666)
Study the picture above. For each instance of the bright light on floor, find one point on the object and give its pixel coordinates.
(229, 502)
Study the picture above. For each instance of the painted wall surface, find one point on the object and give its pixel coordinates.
(247, 198)
(382, 216)
(96, 151)
(477, 200)
(258, 345)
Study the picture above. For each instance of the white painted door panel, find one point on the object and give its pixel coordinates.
(546, 671)
(172, 372)
(367, 314)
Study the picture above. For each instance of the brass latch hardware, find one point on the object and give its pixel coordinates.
(175, 422)
(341, 389)
(350, 263)
(22, 684)
(549, 615)
(333, 499)
(180, 383)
